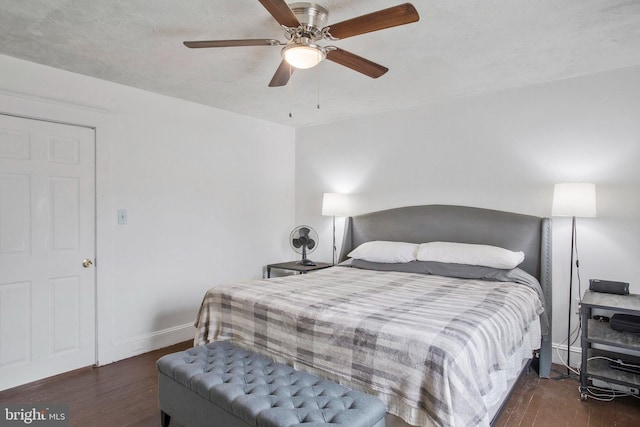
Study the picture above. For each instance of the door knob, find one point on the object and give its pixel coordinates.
(87, 263)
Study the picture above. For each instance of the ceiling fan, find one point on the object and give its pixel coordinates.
(304, 25)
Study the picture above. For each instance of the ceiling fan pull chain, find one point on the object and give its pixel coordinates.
(289, 89)
(318, 86)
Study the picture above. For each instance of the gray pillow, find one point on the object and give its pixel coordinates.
(462, 271)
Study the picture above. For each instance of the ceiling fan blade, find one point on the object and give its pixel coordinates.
(386, 18)
(282, 75)
(356, 63)
(231, 43)
(281, 12)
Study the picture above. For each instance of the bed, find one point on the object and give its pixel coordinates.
(440, 344)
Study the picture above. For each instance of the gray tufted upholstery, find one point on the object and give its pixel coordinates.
(243, 388)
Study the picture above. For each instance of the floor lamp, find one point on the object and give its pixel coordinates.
(573, 200)
(334, 204)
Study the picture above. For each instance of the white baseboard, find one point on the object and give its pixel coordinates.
(151, 341)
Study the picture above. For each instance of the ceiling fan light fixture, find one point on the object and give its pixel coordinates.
(303, 56)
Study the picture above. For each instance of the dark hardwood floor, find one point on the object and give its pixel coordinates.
(125, 394)
(548, 402)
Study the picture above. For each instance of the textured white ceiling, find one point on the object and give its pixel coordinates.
(459, 47)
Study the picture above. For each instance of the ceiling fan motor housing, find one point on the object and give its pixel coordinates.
(302, 51)
(312, 17)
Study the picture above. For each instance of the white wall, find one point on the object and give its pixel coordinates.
(209, 196)
(501, 150)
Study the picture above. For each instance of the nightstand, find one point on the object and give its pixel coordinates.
(596, 362)
(296, 266)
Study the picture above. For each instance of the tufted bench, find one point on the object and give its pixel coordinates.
(221, 385)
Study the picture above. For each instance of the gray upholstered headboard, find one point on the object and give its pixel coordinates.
(430, 223)
(421, 224)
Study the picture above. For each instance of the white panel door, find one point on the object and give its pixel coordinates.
(47, 229)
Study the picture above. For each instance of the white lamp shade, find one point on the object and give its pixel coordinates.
(574, 199)
(334, 204)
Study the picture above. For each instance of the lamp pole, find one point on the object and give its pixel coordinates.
(334, 240)
(573, 200)
(573, 241)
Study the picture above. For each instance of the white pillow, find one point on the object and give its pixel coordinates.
(465, 253)
(383, 251)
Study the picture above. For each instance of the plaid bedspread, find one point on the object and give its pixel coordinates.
(426, 345)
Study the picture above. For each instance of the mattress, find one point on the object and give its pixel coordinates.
(433, 348)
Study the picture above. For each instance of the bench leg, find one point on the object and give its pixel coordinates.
(165, 419)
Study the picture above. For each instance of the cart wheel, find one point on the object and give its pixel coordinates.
(583, 396)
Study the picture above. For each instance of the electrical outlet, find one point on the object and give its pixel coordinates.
(122, 216)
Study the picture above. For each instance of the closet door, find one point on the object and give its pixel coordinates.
(47, 249)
